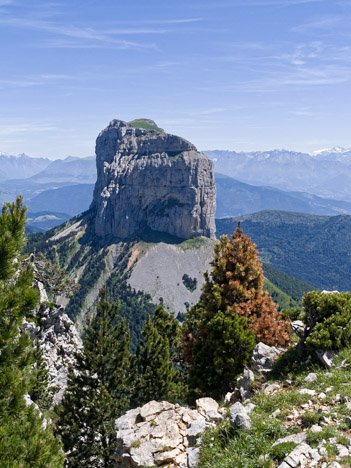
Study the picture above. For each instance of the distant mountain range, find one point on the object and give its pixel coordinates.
(69, 170)
(317, 183)
(237, 198)
(21, 166)
(325, 173)
(54, 191)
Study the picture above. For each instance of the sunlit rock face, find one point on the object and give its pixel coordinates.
(148, 180)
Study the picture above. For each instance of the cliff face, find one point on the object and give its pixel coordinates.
(148, 180)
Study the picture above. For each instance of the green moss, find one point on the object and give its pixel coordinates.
(135, 443)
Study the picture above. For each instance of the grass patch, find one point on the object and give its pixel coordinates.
(146, 124)
(135, 444)
(313, 438)
(311, 418)
(280, 451)
(225, 447)
(194, 243)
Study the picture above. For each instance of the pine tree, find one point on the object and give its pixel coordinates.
(158, 379)
(233, 312)
(23, 439)
(98, 390)
(168, 326)
(41, 394)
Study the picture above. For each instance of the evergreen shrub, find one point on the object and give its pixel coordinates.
(328, 321)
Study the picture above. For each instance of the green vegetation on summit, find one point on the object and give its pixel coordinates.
(146, 124)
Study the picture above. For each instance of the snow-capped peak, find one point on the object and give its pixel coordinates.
(334, 150)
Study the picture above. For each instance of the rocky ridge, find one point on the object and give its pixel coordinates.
(58, 339)
(148, 180)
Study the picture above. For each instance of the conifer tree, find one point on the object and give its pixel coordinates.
(23, 439)
(41, 394)
(236, 285)
(168, 326)
(233, 313)
(158, 378)
(98, 390)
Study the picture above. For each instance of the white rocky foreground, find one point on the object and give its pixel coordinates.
(163, 434)
(58, 339)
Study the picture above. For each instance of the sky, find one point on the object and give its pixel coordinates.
(240, 75)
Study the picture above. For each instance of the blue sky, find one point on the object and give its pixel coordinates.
(240, 75)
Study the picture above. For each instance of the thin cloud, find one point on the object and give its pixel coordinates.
(171, 21)
(325, 23)
(28, 127)
(20, 83)
(282, 3)
(75, 32)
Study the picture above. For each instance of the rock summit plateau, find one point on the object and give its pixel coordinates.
(151, 181)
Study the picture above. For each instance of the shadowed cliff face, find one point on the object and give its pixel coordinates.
(148, 180)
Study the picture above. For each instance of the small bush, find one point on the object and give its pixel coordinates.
(313, 438)
(310, 418)
(328, 321)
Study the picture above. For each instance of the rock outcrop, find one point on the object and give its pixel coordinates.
(58, 339)
(163, 434)
(148, 180)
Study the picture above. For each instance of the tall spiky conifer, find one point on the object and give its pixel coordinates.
(23, 439)
(98, 390)
(159, 376)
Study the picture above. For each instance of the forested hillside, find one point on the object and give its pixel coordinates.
(314, 249)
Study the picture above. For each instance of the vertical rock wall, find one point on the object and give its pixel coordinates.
(148, 180)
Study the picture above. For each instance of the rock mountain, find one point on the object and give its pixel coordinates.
(148, 180)
(150, 231)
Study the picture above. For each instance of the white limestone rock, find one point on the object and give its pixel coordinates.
(151, 181)
(59, 340)
(162, 434)
(264, 356)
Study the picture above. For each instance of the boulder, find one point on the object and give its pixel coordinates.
(264, 356)
(244, 384)
(312, 377)
(193, 454)
(239, 417)
(326, 357)
(242, 421)
(204, 405)
(195, 428)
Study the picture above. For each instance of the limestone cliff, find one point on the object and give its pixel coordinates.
(148, 180)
